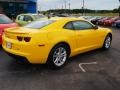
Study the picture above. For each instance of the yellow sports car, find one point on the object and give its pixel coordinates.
(53, 41)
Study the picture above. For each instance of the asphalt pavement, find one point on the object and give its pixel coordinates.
(95, 70)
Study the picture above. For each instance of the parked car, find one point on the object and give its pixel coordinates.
(110, 21)
(100, 22)
(61, 15)
(53, 41)
(89, 18)
(95, 21)
(24, 19)
(108, 18)
(5, 22)
(116, 24)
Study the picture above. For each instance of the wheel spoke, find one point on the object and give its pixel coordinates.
(56, 60)
(107, 42)
(60, 56)
(64, 53)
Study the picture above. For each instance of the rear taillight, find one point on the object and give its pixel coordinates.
(19, 38)
(27, 39)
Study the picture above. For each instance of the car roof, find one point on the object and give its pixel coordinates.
(65, 18)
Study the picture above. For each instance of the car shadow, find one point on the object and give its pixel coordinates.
(83, 56)
(16, 67)
(0, 47)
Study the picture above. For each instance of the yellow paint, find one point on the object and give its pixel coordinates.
(43, 40)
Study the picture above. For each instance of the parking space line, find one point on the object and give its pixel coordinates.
(80, 65)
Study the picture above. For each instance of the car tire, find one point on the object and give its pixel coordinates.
(0, 47)
(58, 56)
(107, 42)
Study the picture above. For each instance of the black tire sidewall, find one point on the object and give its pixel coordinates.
(104, 47)
(50, 62)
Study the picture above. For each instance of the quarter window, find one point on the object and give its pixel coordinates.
(28, 18)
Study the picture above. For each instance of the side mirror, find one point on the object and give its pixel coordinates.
(95, 27)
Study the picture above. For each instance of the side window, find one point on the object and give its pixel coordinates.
(28, 18)
(82, 25)
(69, 25)
(21, 18)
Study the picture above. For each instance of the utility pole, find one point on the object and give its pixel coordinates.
(37, 6)
(62, 7)
(69, 5)
(83, 7)
(65, 4)
(55, 6)
(119, 8)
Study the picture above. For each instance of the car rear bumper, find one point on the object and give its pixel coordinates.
(32, 52)
(20, 58)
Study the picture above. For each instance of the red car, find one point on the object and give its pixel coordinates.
(5, 22)
(109, 22)
(101, 21)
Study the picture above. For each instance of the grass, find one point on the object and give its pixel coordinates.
(105, 14)
(98, 14)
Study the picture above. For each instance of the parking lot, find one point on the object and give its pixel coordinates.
(95, 70)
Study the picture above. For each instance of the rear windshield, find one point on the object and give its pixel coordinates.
(39, 24)
(5, 20)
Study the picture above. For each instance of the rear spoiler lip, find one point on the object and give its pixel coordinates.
(17, 32)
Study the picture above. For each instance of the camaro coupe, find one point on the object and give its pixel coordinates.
(53, 41)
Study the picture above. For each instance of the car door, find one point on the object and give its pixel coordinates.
(86, 35)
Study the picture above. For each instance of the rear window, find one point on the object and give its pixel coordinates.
(5, 20)
(39, 24)
(25, 18)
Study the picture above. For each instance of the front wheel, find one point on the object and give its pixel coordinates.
(58, 56)
(107, 42)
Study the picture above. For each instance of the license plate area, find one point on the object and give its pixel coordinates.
(9, 45)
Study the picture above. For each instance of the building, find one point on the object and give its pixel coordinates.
(14, 7)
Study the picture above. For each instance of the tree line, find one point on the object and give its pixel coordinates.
(76, 11)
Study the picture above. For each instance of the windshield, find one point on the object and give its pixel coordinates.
(4, 19)
(39, 24)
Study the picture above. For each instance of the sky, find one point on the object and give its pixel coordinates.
(77, 4)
